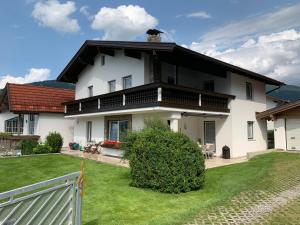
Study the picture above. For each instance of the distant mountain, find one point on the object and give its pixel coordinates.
(54, 83)
(287, 92)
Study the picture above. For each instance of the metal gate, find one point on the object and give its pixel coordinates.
(52, 202)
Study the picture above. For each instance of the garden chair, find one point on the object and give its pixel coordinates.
(209, 150)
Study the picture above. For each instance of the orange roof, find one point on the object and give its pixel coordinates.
(29, 98)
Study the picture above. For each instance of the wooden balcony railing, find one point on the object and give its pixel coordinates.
(155, 94)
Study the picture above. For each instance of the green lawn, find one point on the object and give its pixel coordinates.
(110, 200)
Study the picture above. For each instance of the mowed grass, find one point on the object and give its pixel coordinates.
(109, 199)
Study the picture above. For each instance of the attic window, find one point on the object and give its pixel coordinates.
(102, 60)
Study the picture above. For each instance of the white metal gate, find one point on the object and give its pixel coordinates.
(52, 202)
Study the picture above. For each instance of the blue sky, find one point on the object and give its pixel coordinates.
(39, 37)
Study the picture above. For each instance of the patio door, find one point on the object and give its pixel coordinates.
(210, 133)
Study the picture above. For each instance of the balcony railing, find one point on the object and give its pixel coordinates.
(150, 95)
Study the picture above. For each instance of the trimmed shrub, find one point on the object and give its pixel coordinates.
(164, 160)
(27, 146)
(42, 149)
(55, 141)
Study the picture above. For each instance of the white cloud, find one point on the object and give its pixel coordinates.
(240, 31)
(276, 55)
(267, 43)
(33, 75)
(199, 14)
(56, 15)
(84, 10)
(123, 22)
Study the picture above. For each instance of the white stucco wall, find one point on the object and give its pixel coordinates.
(115, 68)
(243, 110)
(50, 122)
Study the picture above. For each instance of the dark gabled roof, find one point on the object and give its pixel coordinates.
(279, 109)
(166, 50)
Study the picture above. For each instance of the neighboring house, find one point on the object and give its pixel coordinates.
(121, 84)
(35, 110)
(286, 125)
(273, 102)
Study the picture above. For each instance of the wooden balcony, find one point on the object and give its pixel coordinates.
(151, 95)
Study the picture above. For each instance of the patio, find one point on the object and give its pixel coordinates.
(209, 163)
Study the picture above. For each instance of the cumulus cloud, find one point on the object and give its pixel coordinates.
(276, 55)
(33, 75)
(123, 22)
(267, 43)
(240, 31)
(199, 14)
(56, 15)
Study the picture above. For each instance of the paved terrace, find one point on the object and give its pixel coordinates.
(209, 163)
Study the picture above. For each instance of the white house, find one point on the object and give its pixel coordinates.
(120, 84)
(286, 120)
(35, 110)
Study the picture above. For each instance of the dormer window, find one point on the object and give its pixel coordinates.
(127, 82)
(102, 60)
(249, 91)
(90, 90)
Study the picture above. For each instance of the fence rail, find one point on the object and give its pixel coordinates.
(52, 202)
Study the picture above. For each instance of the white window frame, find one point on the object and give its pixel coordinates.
(31, 123)
(250, 130)
(109, 85)
(124, 81)
(11, 125)
(118, 131)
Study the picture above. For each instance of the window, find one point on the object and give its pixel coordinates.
(209, 85)
(31, 124)
(89, 131)
(11, 125)
(127, 82)
(112, 86)
(250, 130)
(118, 129)
(249, 91)
(90, 90)
(102, 60)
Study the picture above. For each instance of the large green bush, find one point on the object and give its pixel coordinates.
(164, 160)
(27, 146)
(42, 149)
(55, 141)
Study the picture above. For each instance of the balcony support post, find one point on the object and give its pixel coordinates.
(65, 109)
(174, 125)
(159, 94)
(99, 105)
(124, 99)
(79, 106)
(200, 101)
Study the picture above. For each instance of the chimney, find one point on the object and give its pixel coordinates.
(154, 35)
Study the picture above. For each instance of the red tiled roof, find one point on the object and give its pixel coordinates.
(28, 98)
